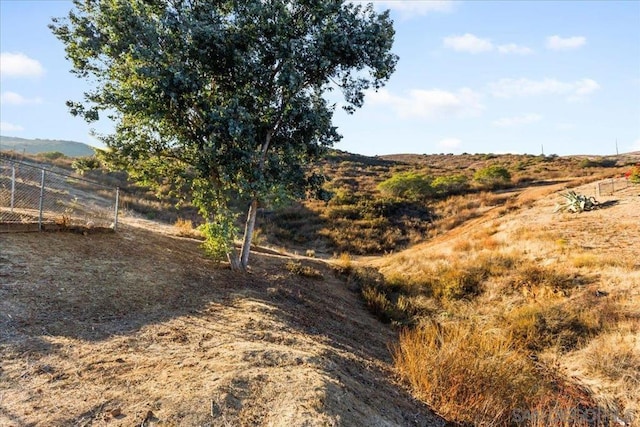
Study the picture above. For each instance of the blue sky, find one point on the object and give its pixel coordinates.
(473, 76)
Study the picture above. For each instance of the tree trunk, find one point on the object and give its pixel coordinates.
(248, 234)
(234, 260)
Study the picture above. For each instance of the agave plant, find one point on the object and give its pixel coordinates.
(577, 203)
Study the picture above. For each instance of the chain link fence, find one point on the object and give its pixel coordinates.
(610, 186)
(36, 198)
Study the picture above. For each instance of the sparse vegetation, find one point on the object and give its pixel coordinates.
(504, 308)
(296, 267)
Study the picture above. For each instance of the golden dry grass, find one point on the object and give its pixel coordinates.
(559, 290)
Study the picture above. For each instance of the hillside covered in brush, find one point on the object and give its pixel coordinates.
(457, 285)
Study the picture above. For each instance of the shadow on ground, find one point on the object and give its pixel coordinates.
(97, 288)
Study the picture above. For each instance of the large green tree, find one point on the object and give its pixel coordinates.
(220, 101)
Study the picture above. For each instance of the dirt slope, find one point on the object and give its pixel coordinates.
(138, 328)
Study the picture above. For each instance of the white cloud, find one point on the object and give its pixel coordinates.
(434, 103)
(12, 98)
(568, 43)
(449, 143)
(468, 43)
(509, 88)
(19, 65)
(636, 145)
(409, 8)
(586, 86)
(473, 44)
(524, 119)
(515, 49)
(9, 127)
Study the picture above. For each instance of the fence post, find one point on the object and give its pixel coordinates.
(41, 202)
(13, 184)
(115, 221)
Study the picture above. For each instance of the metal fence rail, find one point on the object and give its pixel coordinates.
(33, 195)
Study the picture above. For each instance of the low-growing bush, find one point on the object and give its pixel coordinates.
(493, 176)
(537, 326)
(52, 155)
(598, 163)
(85, 164)
(407, 185)
(478, 376)
(450, 184)
(633, 174)
(296, 267)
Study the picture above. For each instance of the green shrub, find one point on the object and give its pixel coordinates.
(451, 184)
(407, 185)
(219, 234)
(598, 163)
(84, 164)
(492, 176)
(52, 155)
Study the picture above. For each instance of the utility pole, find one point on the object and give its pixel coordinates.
(617, 154)
(542, 146)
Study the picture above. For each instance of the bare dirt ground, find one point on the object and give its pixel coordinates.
(138, 328)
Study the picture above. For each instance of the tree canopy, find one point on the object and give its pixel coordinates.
(221, 101)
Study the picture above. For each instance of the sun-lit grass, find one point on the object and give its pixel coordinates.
(479, 376)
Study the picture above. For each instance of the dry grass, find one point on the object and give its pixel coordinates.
(554, 290)
(185, 228)
(478, 376)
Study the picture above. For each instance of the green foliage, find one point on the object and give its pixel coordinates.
(219, 234)
(450, 184)
(226, 95)
(407, 185)
(85, 164)
(492, 176)
(598, 163)
(52, 155)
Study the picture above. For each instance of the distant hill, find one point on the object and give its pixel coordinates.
(35, 146)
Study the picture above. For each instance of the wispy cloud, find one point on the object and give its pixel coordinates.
(10, 127)
(565, 43)
(471, 43)
(19, 65)
(514, 49)
(12, 98)
(409, 8)
(510, 88)
(524, 119)
(427, 104)
(449, 143)
(467, 43)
